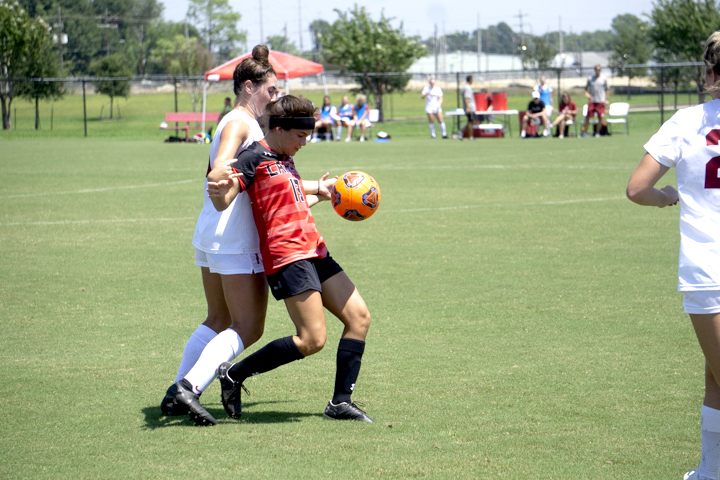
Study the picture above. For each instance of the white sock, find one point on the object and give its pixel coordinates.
(710, 433)
(339, 132)
(444, 130)
(432, 129)
(193, 349)
(223, 348)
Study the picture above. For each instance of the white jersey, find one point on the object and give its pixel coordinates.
(689, 142)
(233, 230)
(432, 98)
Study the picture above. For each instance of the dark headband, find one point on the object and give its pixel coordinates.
(287, 123)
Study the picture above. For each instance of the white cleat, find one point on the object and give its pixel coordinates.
(692, 474)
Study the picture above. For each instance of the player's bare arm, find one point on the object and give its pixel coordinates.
(641, 187)
(223, 193)
(321, 188)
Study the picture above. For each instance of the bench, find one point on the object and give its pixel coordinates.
(196, 118)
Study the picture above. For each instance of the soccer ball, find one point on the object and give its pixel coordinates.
(355, 196)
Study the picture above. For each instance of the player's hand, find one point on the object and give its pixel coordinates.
(324, 186)
(219, 189)
(671, 196)
(221, 171)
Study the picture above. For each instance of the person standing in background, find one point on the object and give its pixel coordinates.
(433, 96)
(545, 92)
(470, 107)
(597, 93)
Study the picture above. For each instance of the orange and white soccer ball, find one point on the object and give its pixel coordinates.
(355, 196)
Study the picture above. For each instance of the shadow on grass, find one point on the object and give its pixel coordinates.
(154, 418)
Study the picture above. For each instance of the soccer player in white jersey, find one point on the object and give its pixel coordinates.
(227, 248)
(689, 142)
(433, 96)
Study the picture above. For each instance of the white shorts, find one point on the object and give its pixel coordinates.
(702, 302)
(433, 110)
(548, 110)
(230, 264)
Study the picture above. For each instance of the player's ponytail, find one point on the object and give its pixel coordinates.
(711, 57)
(255, 68)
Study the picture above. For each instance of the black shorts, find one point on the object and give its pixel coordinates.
(471, 117)
(301, 276)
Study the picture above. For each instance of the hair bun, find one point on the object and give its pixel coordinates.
(260, 54)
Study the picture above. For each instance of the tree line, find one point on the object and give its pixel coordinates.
(41, 39)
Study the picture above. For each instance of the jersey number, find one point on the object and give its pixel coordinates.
(297, 191)
(712, 168)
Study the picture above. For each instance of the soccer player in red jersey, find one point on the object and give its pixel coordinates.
(297, 264)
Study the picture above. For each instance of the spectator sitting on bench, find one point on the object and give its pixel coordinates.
(346, 112)
(362, 112)
(566, 112)
(535, 113)
(328, 112)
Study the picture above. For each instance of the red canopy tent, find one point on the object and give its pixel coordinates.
(286, 66)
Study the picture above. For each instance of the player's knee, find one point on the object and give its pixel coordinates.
(311, 344)
(361, 322)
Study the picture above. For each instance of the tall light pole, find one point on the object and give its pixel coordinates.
(300, 24)
(479, 40)
(262, 35)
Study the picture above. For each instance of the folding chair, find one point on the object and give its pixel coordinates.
(618, 113)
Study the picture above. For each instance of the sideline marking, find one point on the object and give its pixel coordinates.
(322, 213)
(96, 190)
(524, 204)
(88, 222)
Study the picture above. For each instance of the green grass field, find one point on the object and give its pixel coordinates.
(526, 323)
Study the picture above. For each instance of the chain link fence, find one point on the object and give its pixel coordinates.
(653, 92)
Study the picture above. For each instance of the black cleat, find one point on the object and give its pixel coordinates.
(346, 411)
(168, 405)
(231, 391)
(184, 397)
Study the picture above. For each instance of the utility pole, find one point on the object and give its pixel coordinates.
(285, 47)
(300, 24)
(444, 48)
(522, 47)
(107, 32)
(560, 32)
(262, 35)
(479, 40)
(435, 44)
(60, 37)
(520, 16)
(107, 26)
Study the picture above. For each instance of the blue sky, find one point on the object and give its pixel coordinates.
(538, 17)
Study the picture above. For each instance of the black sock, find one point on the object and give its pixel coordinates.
(274, 354)
(349, 358)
